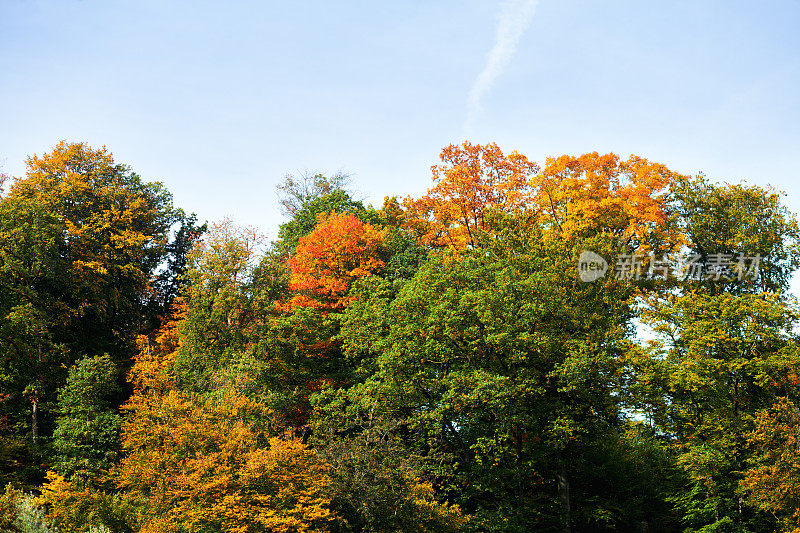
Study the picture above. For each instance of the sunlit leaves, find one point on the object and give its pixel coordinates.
(206, 462)
(592, 193)
(341, 249)
(472, 180)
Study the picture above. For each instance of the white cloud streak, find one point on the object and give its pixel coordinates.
(514, 18)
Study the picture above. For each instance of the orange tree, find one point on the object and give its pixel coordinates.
(472, 180)
(572, 196)
(211, 461)
(591, 193)
(341, 249)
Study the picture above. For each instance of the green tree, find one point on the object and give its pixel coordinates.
(724, 347)
(233, 284)
(86, 264)
(724, 220)
(31, 310)
(722, 359)
(30, 517)
(86, 438)
(497, 369)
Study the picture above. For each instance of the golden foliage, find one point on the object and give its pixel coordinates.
(592, 193)
(203, 462)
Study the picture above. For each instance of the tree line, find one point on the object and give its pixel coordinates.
(432, 365)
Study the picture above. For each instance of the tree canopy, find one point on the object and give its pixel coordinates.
(437, 364)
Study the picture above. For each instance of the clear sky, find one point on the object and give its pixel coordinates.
(219, 100)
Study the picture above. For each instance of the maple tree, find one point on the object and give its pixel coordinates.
(341, 249)
(472, 180)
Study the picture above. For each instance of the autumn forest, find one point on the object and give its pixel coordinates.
(431, 364)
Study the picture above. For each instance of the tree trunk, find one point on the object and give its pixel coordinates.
(35, 420)
(563, 493)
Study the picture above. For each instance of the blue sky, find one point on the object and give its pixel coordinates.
(220, 100)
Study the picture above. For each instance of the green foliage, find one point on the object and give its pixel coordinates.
(32, 311)
(740, 220)
(30, 517)
(724, 357)
(115, 229)
(171, 280)
(86, 264)
(449, 373)
(305, 219)
(86, 438)
(219, 300)
(493, 366)
(234, 287)
(403, 256)
(8, 507)
(375, 481)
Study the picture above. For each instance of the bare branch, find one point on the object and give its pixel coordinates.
(296, 191)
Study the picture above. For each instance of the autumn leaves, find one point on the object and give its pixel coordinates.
(341, 249)
(571, 196)
(433, 365)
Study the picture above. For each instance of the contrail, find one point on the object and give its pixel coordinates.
(514, 18)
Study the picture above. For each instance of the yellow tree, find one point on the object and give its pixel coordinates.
(117, 227)
(210, 462)
(85, 259)
(592, 193)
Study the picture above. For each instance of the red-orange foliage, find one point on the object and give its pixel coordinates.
(473, 179)
(340, 250)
